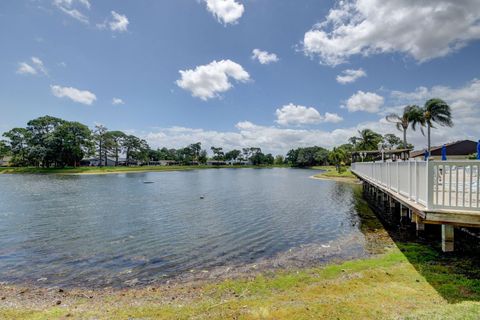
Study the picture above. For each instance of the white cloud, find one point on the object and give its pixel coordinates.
(295, 115)
(422, 29)
(117, 101)
(80, 96)
(264, 57)
(226, 11)
(350, 75)
(36, 67)
(119, 22)
(25, 68)
(365, 101)
(465, 102)
(208, 81)
(247, 134)
(72, 8)
(332, 117)
(292, 114)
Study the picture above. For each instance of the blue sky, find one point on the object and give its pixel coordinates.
(73, 58)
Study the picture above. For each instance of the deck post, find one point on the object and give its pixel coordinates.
(403, 211)
(420, 226)
(447, 238)
(429, 185)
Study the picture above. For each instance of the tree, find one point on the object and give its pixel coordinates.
(368, 139)
(43, 150)
(135, 148)
(279, 160)
(203, 157)
(411, 115)
(114, 143)
(100, 138)
(4, 149)
(18, 140)
(195, 150)
(73, 141)
(218, 154)
(336, 157)
(436, 111)
(232, 155)
(391, 141)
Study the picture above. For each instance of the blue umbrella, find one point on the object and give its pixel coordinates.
(478, 150)
(444, 153)
(426, 155)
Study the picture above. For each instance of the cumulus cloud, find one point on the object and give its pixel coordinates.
(209, 81)
(365, 101)
(119, 22)
(80, 96)
(421, 29)
(292, 114)
(226, 11)
(332, 117)
(247, 134)
(117, 101)
(350, 75)
(35, 67)
(465, 102)
(264, 57)
(72, 8)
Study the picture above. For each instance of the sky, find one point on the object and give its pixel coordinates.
(240, 73)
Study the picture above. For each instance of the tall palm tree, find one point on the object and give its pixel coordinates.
(436, 111)
(369, 139)
(411, 115)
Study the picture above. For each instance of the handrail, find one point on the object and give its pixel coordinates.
(432, 184)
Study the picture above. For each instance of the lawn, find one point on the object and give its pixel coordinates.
(411, 281)
(331, 172)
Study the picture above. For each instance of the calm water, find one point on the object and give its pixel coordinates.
(108, 229)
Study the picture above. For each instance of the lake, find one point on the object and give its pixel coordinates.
(116, 230)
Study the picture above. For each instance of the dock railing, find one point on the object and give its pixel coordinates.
(450, 185)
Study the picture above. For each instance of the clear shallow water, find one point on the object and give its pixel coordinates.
(98, 230)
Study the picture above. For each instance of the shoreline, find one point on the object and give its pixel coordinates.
(119, 170)
(383, 285)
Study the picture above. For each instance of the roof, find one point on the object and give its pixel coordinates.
(393, 151)
(456, 148)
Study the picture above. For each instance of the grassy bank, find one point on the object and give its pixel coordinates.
(330, 172)
(106, 170)
(410, 281)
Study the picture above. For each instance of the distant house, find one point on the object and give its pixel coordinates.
(95, 162)
(216, 163)
(163, 163)
(458, 150)
(238, 162)
(5, 161)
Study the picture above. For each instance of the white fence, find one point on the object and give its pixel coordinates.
(433, 184)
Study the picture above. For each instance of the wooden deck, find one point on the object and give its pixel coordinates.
(433, 192)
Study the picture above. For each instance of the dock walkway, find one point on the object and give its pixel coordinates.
(430, 192)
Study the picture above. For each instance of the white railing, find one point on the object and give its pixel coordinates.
(432, 184)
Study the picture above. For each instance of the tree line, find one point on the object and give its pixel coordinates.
(53, 142)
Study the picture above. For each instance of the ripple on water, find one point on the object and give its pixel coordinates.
(114, 229)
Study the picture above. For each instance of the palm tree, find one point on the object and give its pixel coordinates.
(411, 114)
(369, 139)
(337, 156)
(436, 111)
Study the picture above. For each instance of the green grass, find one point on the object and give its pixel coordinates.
(331, 172)
(413, 282)
(104, 170)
